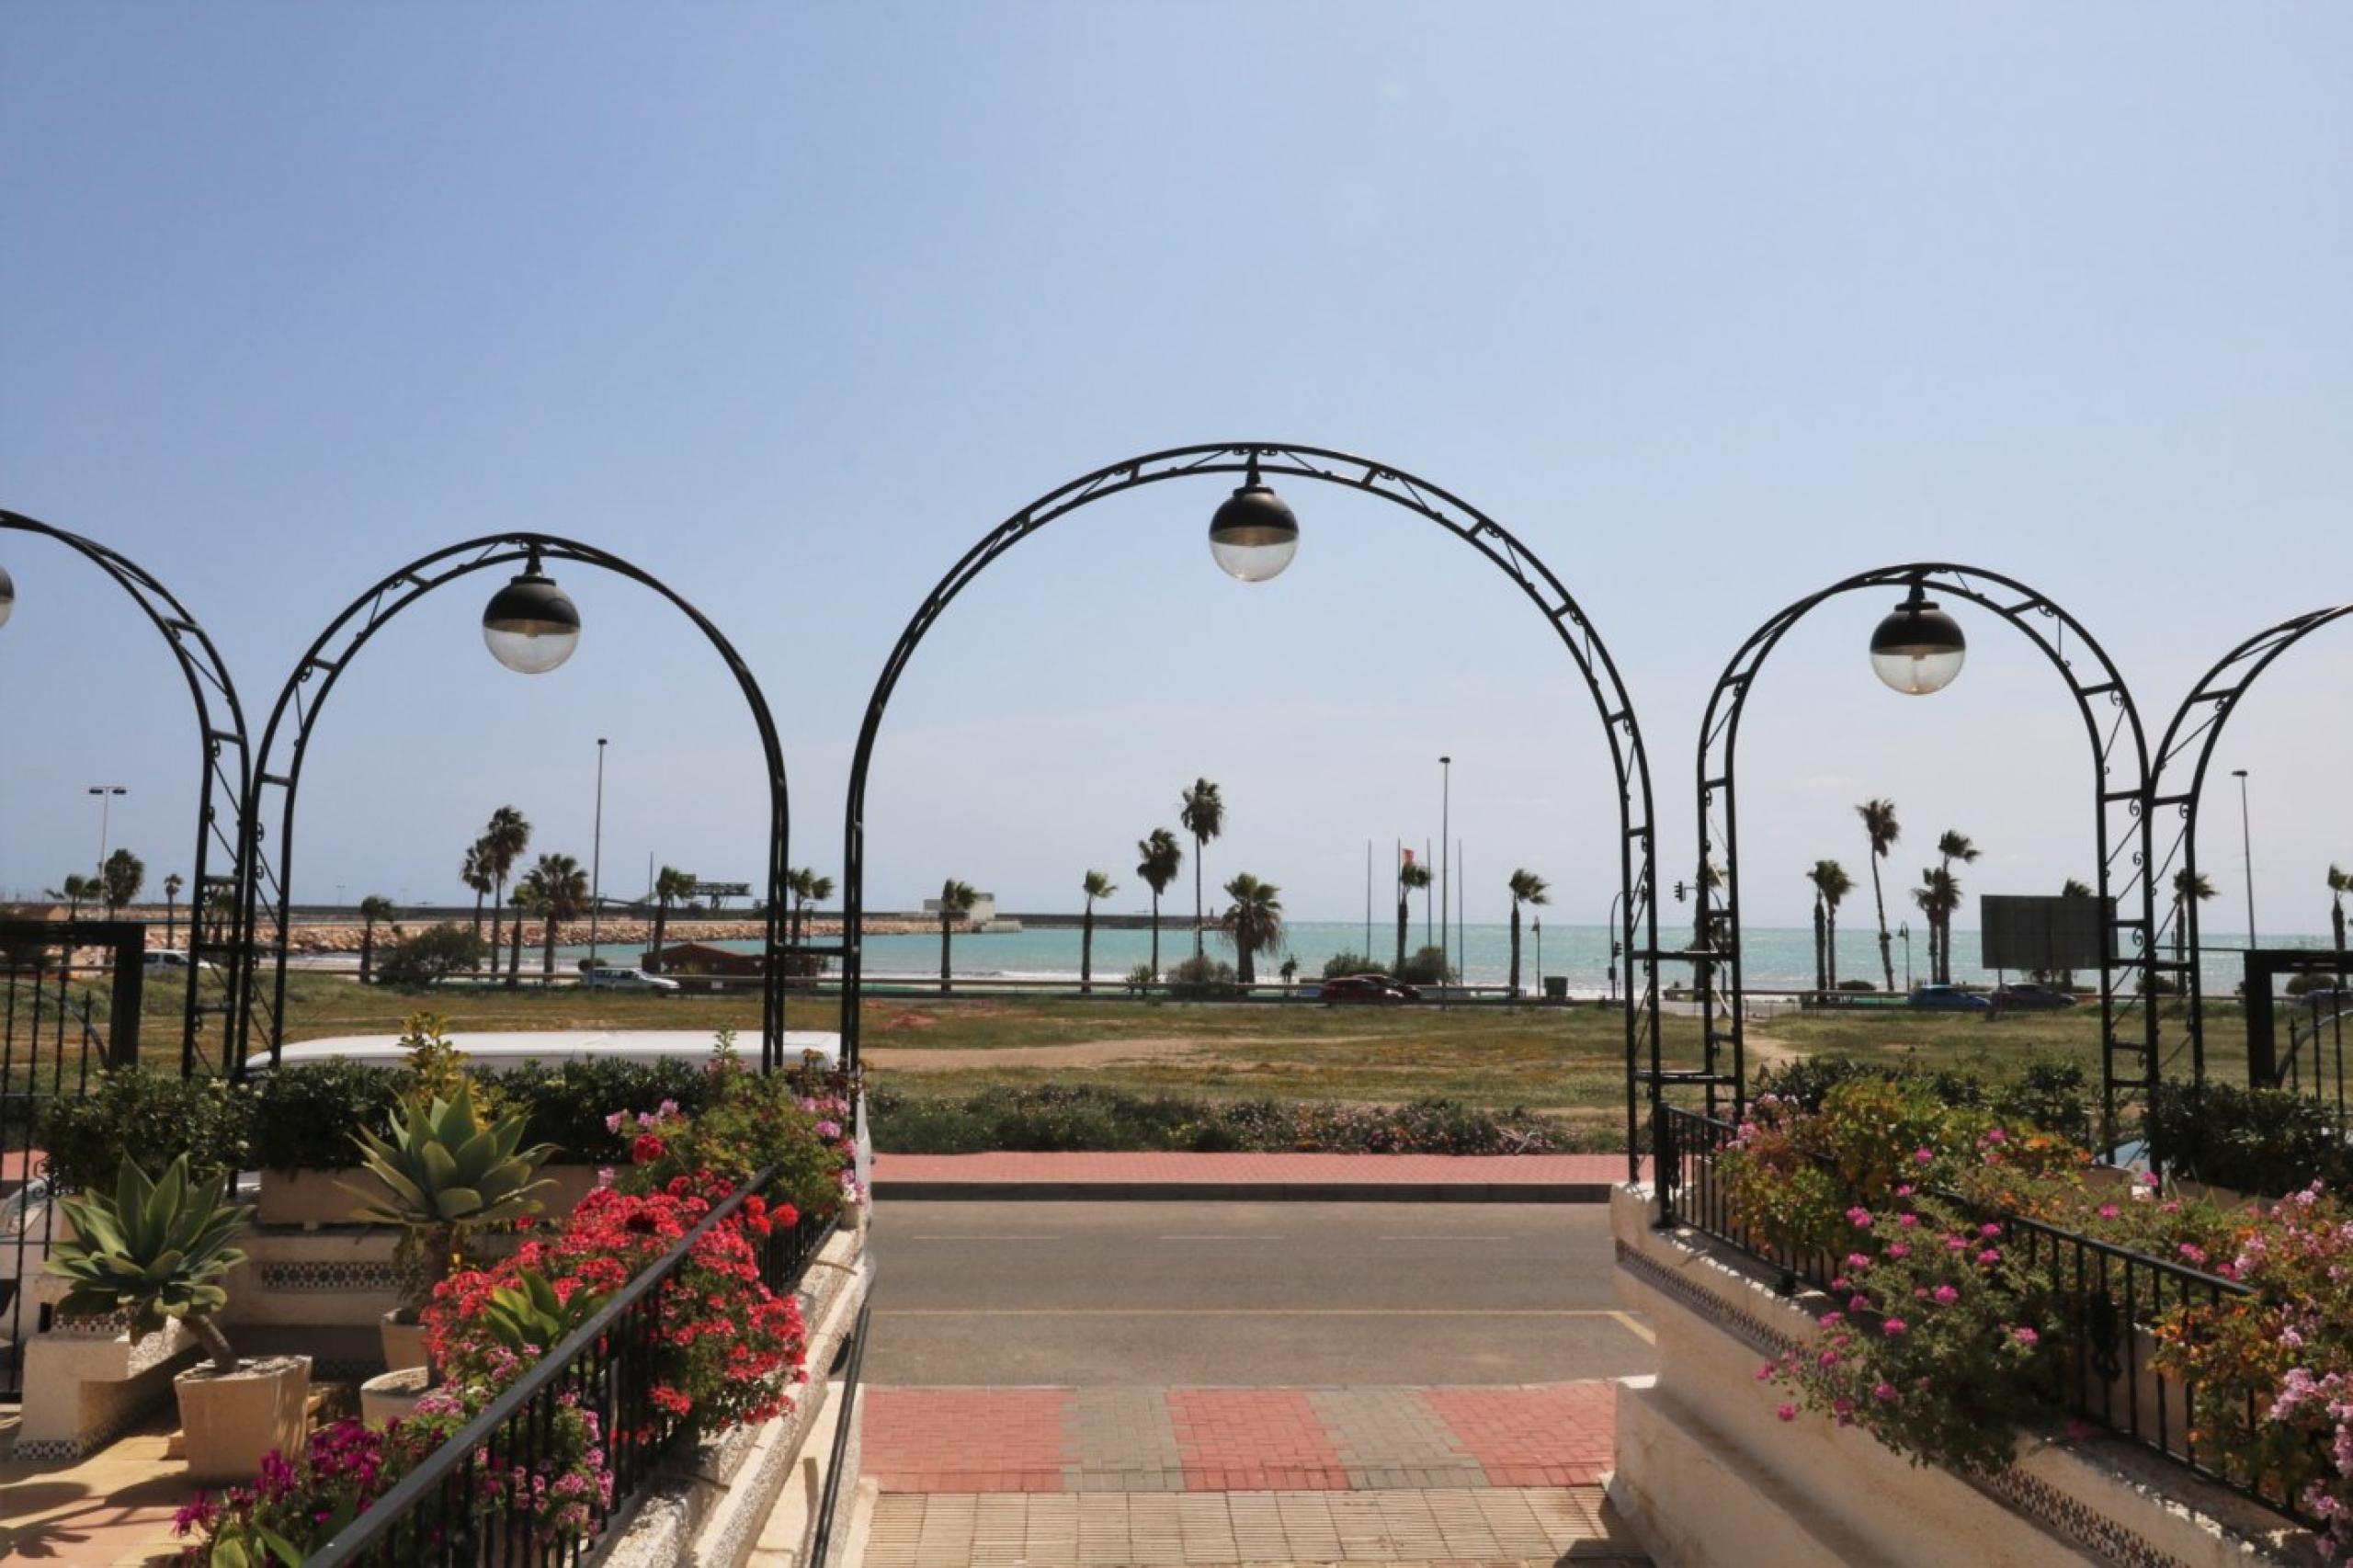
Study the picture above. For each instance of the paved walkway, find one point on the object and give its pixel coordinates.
(1236, 1439)
(114, 1508)
(1510, 1178)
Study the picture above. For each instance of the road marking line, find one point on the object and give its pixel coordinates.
(1207, 1238)
(1633, 1324)
(966, 1236)
(1250, 1312)
(1410, 1236)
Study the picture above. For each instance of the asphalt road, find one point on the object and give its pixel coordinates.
(1299, 1294)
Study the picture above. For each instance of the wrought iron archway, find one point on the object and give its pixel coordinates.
(1636, 844)
(2120, 819)
(2197, 726)
(325, 663)
(220, 730)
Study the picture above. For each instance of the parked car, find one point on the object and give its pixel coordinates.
(1948, 998)
(1366, 988)
(2030, 996)
(626, 980)
(164, 961)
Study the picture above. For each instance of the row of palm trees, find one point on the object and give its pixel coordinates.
(1937, 897)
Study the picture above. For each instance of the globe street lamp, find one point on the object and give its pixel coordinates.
(1918, 648)
(7, 594)
(1254, 534)
(531, 625)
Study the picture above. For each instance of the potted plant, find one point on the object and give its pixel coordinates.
(444, 1175)
(161, 1248)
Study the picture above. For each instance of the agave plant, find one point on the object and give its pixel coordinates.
(529, 1318)
(158, 1247)
(447, 1175)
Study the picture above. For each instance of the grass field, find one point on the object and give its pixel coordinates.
(1564, 1061)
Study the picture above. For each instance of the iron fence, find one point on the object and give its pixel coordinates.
(2315, 1063)
(2111, 1299)
(449, 1509)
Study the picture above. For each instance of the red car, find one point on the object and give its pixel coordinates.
(1367, 988)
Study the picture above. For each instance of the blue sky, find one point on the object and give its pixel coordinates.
(791, 305)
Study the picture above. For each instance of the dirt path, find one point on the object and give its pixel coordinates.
(1075, 1053)
(1765, 1051)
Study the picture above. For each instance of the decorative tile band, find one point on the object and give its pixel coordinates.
(373, 1274)
(2068, 1518)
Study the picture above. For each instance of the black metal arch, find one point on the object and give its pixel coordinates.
(2121, 820)
(2195, 729)
(325, 663)
(1636, 847)
(215, 697)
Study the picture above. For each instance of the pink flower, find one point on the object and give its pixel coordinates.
(1945, 1295)
(613, 1122)
(1894, 1327)
(1765, 1373)
(1904, 1191)
(1839, 1284)
(1956, 1244)
(1831, 1320)
(1856, 1262)
(1990, 1231)
(1884, 1393)
(2109, 1210)
(1899, 1249)
(1859, 1217)
(2024, 1336)
(1909, 1222)
(1924, 1156)
(2194, 1253)
(1989, 1257)
(1859, 1304)
(1788, 1412)
(1996, 1135)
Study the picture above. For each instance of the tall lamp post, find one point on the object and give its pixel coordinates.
(2247, 848)
(106, 794)
(1445, 859)
(596, 860)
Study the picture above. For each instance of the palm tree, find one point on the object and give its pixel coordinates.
(1158, 858)
(1938, 895)
(955, 901)
(1879, 821)
(1950, 845)
(474, 871)
(1411, 878)
(669, 885)
(1831, 884)
(2186, 887)
(526, 901)
(75, 890)
(503, 842)
(2339, 884)
(1202, 814)
(1096, 885)
(1527, 887)
(807, 888)
(561, 887)
(121, 879)
(2071, 888)
(1253, 922)
(172, 885)
(372, 908)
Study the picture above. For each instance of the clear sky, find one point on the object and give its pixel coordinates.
(1712, 305)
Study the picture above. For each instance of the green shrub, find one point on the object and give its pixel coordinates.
(2316, 980)
(566, 1103)
(1203, 979)
(160, 1116)
(307, 1117)
(2271, 1141)
(2048, 1094)
(1428, 966)
(1345, 963)
(430, 957)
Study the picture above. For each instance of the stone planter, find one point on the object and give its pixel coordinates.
(404, 1342)
(390, 1396)
(312, 1199)
(230, 1420)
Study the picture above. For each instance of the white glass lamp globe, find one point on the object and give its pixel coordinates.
(1254, 534)
(531, 625)
(1918, 649)
(7, 595)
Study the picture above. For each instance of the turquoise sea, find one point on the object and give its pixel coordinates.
(1776, 958)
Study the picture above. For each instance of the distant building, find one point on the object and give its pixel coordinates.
(982, 917)
(703, 958)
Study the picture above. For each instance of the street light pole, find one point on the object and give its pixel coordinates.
(1444, 859)
(597, 858)
(106, 794)
(2246, 848)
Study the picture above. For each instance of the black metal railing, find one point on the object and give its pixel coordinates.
(820, 1538)
(2314, 1062)
(2109, 1296)
(452, 1509)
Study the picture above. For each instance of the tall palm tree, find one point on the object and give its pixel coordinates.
(1159, 856)
(474, 871)
(503, 841)
(173, 883)
(2186, 887)
(1821, 939)
(1938, 895)
(562, 885)
(1527, 887)
(1879, 821)
(1096, 885)
(1951, 845)
(525, 900)
(670, 884)
(75, 890)
(807, 888)
(372, 908)
(2339, 884)
(955, 901)
(1253, 923)
(1202, 814)
(2071, 888)
(1831, 884)
(120, 879)
(1411, 878)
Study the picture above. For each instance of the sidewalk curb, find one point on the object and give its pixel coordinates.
(986, 1191)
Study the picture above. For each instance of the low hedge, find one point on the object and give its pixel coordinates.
(2266, 1142)
(2049, 1093)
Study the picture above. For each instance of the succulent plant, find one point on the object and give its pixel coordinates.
(159, 1247)
(447, 1175)
(529, 1318)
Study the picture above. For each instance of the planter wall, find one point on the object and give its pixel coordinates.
(311, 1199)
(1707, 1472)
(231, 1421)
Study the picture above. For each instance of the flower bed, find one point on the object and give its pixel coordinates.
(1983, 1280)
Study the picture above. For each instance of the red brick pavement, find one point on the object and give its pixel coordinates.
(1550, 1434)
(1237, 1439)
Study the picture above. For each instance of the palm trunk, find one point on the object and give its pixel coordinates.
(661, 927)
(1086, 952)
(2180, 928)
(167, 925)
(1197, 896)
(514, 953)
(1249, 972)
(1830, 947)
(1515, 948)
(1821, 935)
(367, 949)
(497, 908)
(477, 913)
(1155, 933)
(547, 950)
(1404, 919)
(946, 985)
(1886, 952)
(2337, 919)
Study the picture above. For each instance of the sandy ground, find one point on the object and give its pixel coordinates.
(1074, 1053)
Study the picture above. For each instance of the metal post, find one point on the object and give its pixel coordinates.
(2246, 848)
(1445, 863)
(106, 794)
(596, 860)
